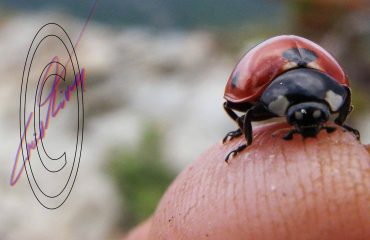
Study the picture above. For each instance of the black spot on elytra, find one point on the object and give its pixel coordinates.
(301, 56)
(234, 80)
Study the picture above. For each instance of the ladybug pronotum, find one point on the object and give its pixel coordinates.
(292, 77)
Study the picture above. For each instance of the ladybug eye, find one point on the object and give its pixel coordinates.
(316, 114)
(298, 115)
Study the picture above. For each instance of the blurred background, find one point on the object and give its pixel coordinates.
(155, 76)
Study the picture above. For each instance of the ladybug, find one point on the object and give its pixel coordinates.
(287, 76)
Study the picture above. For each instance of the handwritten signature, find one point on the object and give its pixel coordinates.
(53, 108)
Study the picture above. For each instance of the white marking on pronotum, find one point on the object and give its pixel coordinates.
(334, 100)
(333, 116)
(279, 106)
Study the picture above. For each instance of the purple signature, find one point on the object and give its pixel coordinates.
(53, 107)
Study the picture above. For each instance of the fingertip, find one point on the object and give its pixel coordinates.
(141, 232)
(314, 188)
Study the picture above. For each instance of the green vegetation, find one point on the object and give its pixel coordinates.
(141, 177)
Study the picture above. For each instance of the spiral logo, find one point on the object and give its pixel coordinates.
(52, 90)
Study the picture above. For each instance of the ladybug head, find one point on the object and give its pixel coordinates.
(308, 117)
(307, 97)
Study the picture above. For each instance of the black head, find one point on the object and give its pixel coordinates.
(308, 117)
(303, 85)
(307, 97)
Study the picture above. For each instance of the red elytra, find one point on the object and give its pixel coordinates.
(263, 63)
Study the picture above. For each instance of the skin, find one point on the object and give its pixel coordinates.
(316, 188)
(141, 232)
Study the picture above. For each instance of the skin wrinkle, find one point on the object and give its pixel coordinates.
(279, 198)
(236, 192)
(227, 200)
(274, 187)
(334, 153)
(363, 180)
(245, 197)
(316, 184)
(331, 183)
(285, 160)
(302, 188)
(261, 205)
(236, 189)
(320, 183)
(178, 203)
(353, 180)
(209, 185)
(250, 184)
(256, 190)
(217, 192)
(232, 202)
(191, 198)
(348, 186)
(266, 186)
(290, 225)
(191, 202)
(235, 201)
(325, 154)
(357, 194)
(280, 208)
(302, 199)
(203, 192)
(314, 201)
(336, 188)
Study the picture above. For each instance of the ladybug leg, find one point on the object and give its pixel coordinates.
(329, 129)
(247, 130)
(232, 134)
(289, 135)
(247, 127)
(233, 115)
(351, 129)
(235, 151)
(237, 119)
(345, 110)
